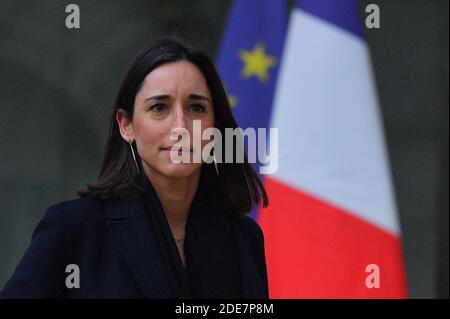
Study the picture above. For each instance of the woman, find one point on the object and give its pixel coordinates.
(150, 227)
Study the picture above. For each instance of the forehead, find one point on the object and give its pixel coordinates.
(175, 76)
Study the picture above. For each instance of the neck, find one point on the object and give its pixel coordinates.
(176, 196)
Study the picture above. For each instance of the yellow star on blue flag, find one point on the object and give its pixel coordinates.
(256, 63)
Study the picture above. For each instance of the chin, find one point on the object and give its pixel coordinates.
(179, 170)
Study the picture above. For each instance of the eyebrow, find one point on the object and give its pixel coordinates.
(192, 96)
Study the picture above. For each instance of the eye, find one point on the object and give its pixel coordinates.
(197, 108)
(158, 108)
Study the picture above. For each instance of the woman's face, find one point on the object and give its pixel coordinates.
(172, 96)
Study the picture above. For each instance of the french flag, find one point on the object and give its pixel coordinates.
(331, 228)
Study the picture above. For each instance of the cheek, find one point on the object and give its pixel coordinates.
(208, 122)
(149, 135)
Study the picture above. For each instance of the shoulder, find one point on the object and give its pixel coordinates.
(74, 209)
(250, 228)
(68, 223)
(66, 226)
(77, 206)
(252, 235)
(67, 216)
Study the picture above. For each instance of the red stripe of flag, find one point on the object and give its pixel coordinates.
(317, 250)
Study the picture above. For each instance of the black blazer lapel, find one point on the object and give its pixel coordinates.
(129, 226)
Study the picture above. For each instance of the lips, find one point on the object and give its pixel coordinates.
(176, 149)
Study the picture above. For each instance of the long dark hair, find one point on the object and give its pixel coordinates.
(239, 185)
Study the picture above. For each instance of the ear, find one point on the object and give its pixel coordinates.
(125, 125)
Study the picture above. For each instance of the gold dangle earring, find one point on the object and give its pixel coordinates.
(215, 164)
(134, 156)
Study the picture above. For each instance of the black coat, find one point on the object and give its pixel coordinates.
(112, 243)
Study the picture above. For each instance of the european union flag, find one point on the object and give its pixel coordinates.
(249, 59)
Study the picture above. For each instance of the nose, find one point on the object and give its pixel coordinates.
(179, 122)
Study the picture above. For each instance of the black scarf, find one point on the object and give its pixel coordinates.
(212, 269)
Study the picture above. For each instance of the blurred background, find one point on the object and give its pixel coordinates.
(58, 85)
